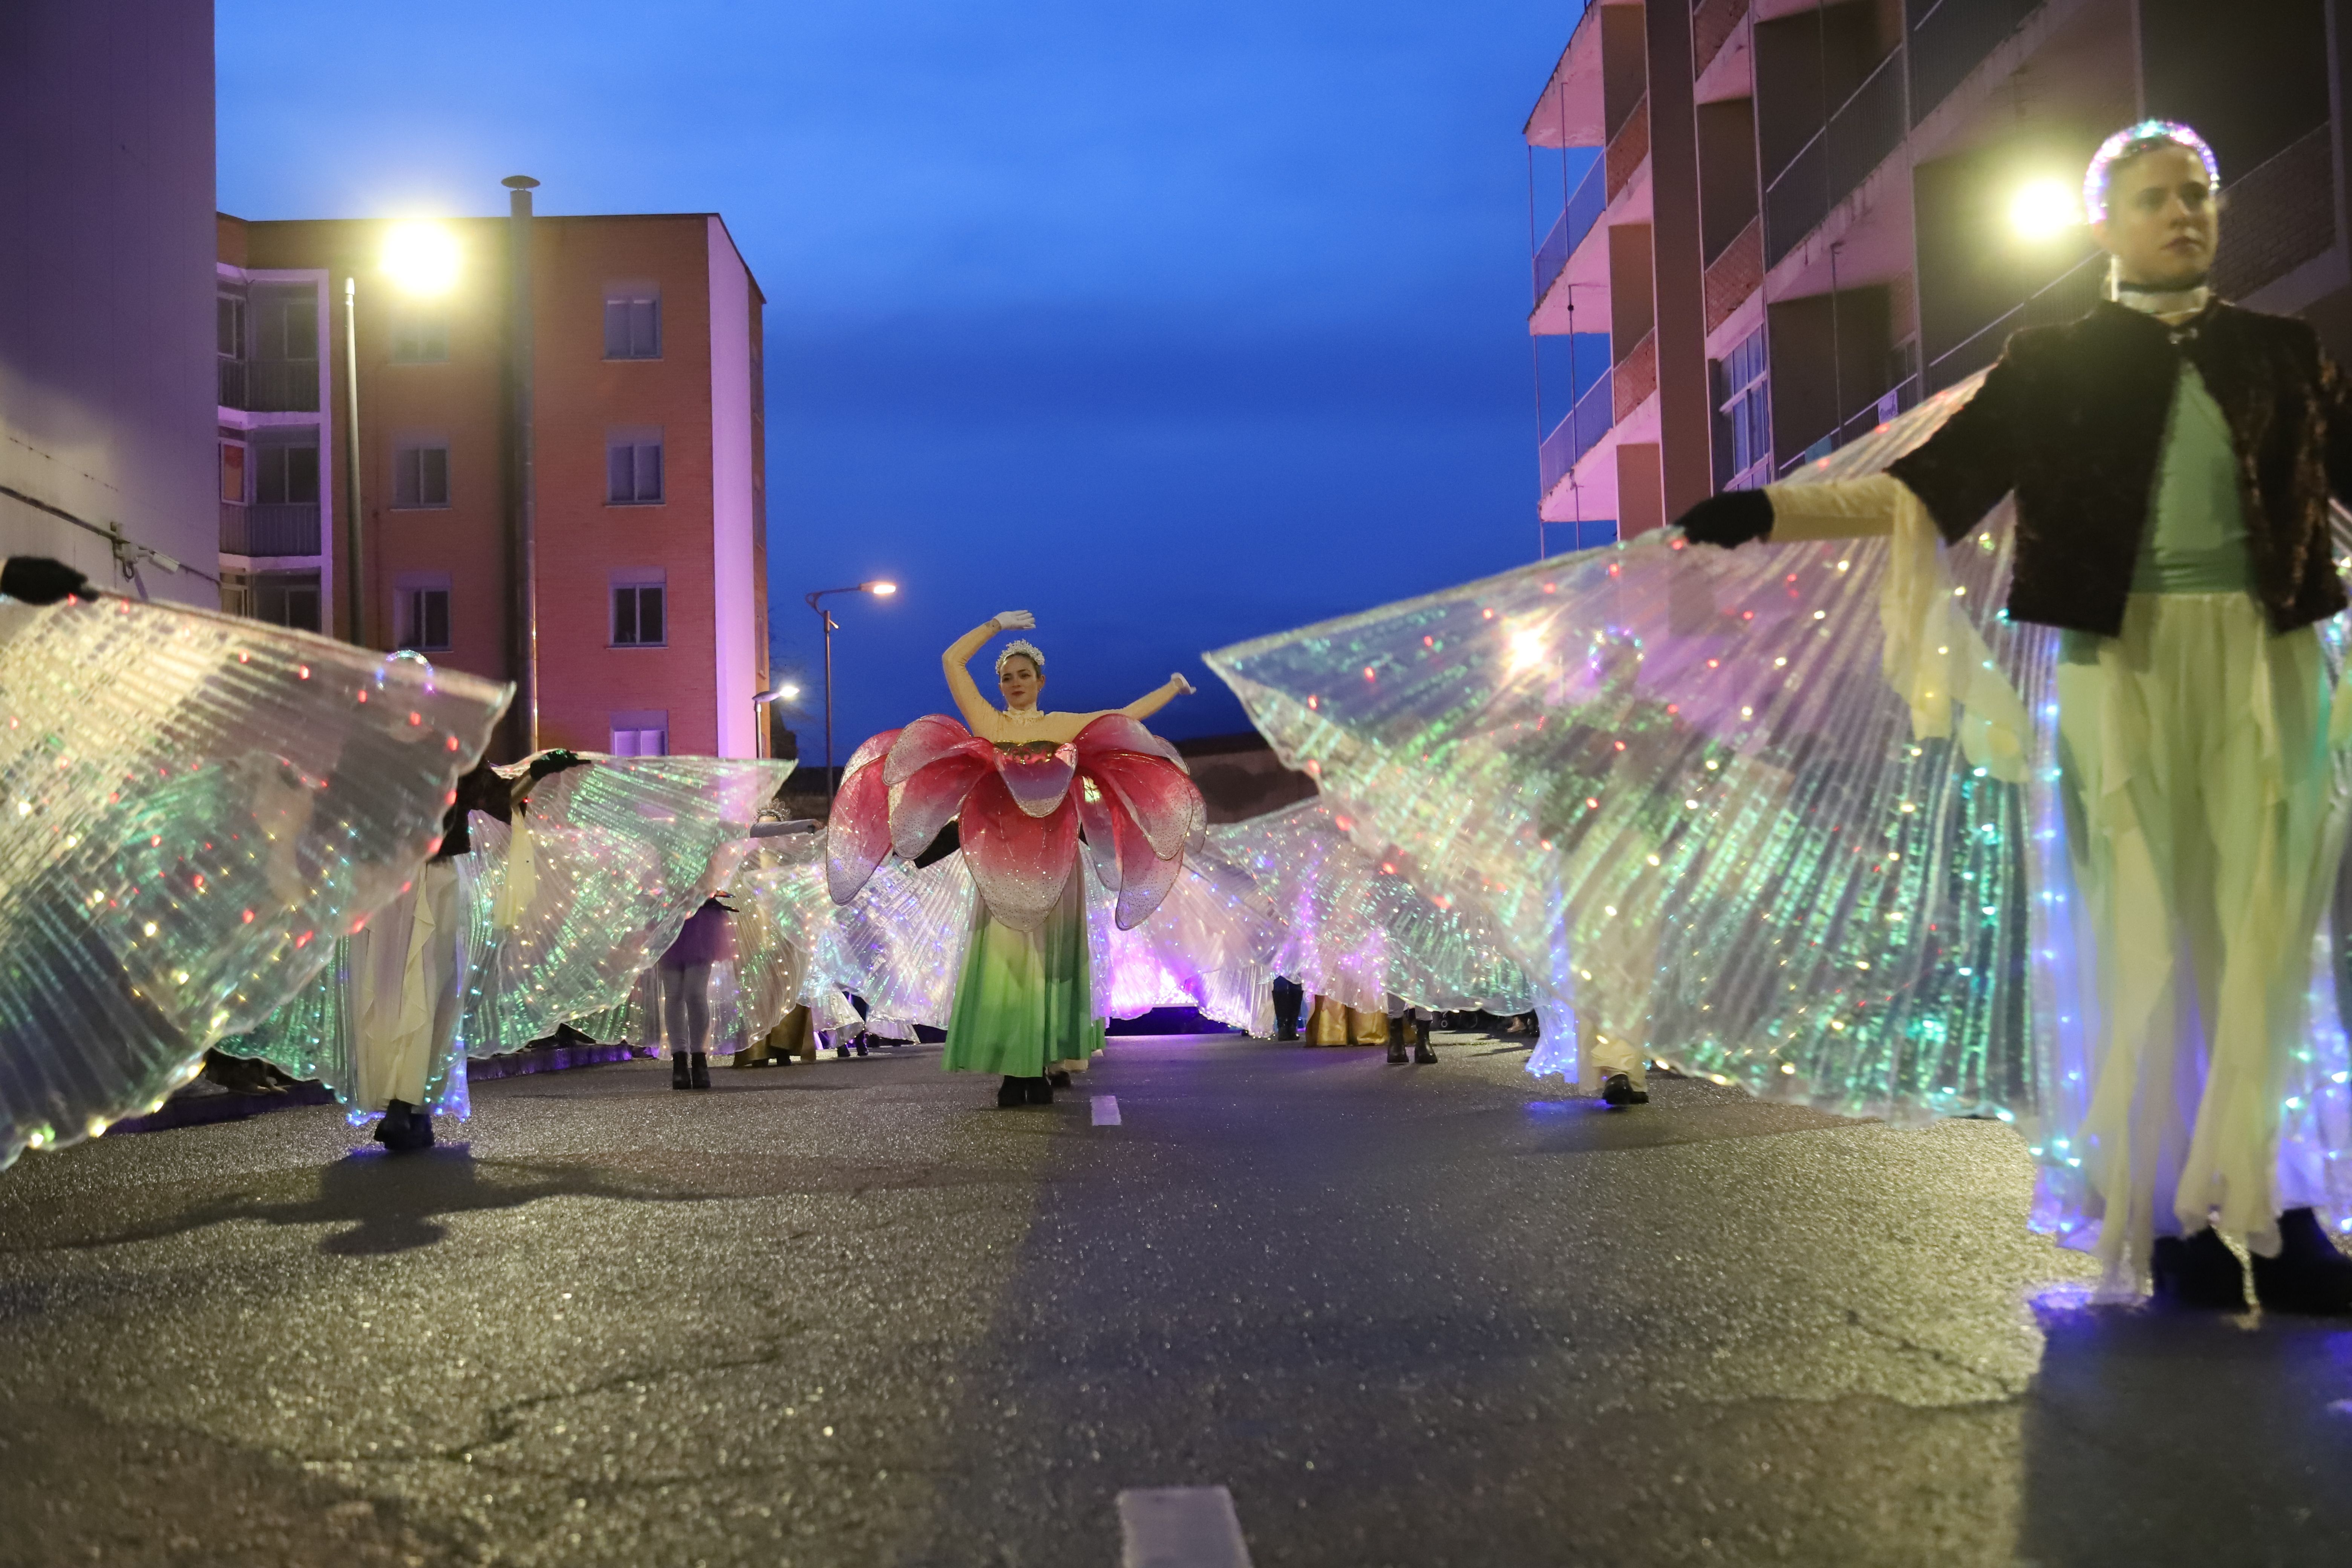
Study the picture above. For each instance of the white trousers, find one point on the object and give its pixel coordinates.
(404, 990)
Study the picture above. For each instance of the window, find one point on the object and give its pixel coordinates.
(420, 335)
(632, 320)
(230, 320)
(232, 471)
(420, 473)
(633, 468)
(1744, 414)
(281, 598)
(285, 475)
(286, 323)
(641, 733)
(424, 617)
(638, 616)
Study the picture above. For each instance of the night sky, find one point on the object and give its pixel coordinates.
(1175, 323)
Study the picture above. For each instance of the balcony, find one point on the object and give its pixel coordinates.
(270, 528)
(1952, 39)
(1866, 128)
(1584, 208)
(1628, 145)
(1636, 375)
(1574, 436)
(1735, 274)
(269, 386)
(2281, 213)
(1712, 24)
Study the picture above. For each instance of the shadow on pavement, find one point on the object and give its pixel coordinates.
(2171, 1437)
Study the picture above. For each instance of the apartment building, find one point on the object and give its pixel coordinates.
(577, 507)
(1793, 219)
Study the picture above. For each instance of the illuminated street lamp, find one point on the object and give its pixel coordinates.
(2043, 209)
(421, 259)
(880, 590)
(787, 692)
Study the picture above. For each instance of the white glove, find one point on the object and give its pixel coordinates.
(1183, 687)
(1016, 621)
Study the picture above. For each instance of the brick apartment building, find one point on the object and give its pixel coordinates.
(646, 463)
(1790, 218)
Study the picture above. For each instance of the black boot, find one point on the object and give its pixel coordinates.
(1012, 1092)
(1040, 1090)
(699, 1068)
(2199, 1273)
(2309, 1275)
(1421, 1051)
(1396, 1050)
(1059, 1077)
(1618, 1091)
(681, 1076)
(404, 1128)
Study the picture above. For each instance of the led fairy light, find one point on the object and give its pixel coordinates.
(2135, 140)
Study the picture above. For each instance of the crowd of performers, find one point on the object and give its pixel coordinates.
(1996, 765)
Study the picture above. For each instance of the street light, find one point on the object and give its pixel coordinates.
(2043, 209)
(422, 260)
(787, 692)
(880, 590)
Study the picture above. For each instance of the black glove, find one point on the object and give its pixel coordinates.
(1730, 520)
(949, 840)
(37, 580)
(549, 762)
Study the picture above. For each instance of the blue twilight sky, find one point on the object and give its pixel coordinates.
(1176, 321)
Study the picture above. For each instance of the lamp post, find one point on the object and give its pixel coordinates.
(825, 623)
(787, 692)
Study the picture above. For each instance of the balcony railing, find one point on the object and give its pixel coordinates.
(1865, 129)
(2062, 300)
(269, 386)
(1574, 436)
(270, 528)
(1584, 208)
(1952, 39)
(2281, 213)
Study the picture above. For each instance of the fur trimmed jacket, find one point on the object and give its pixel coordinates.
(2073, 419)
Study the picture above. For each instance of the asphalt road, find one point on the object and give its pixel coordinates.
(850, 1314)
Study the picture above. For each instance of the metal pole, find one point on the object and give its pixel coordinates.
(525, 554)
(358, 563)
(826, 616)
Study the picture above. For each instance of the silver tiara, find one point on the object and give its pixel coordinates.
(1017, 646)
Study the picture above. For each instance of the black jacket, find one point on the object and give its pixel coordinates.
(2073, 419)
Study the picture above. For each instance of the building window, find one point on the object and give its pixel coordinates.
(286, 323)
(633, 468)
(631, 321)
(424, 618)
(232, 472)
(639, 616)
(285, 475)
(420, 473)
(420, 335)
(1744, 414)
(230, 321)
(642, 733)
(281, 598)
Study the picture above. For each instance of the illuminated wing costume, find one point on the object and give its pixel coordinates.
(196, 806)
(554, 920)
(1787, 817)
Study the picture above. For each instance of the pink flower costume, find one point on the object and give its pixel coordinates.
(1024, 999)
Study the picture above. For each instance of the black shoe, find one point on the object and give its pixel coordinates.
(2309, 1275)
(1040, 1090)
(699, 1068)
(1012, 1093)
(403, 1129)
(1422, 1053)
(1059, 1079)
(244, 1075)
(861, 1047)
(681, 1076)
(1287, 1037)
(1618, 1089)
(1396, 1053)
(2199, 1273)
(393, 1124)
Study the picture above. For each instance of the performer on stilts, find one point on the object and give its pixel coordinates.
(1018, 784)
(2171, 458)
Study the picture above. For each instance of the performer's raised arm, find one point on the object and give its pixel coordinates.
(977, 711)
(1151, 702)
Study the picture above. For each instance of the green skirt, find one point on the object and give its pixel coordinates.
(1024, 1001)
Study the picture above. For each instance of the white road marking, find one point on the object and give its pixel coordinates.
(1180, 1527)
(1105, 1110)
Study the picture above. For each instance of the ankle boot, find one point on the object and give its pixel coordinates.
(1421, 1051)
(699, 1068)
(681, 1073)
(392, 1125)
(404, 1128)
(1012, 1092)
(1396, 1049)
(2198, 1273)
(1040, 1090)
(1618, 1091)
(2309, 1275)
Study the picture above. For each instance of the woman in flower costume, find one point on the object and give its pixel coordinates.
(1018, 786)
